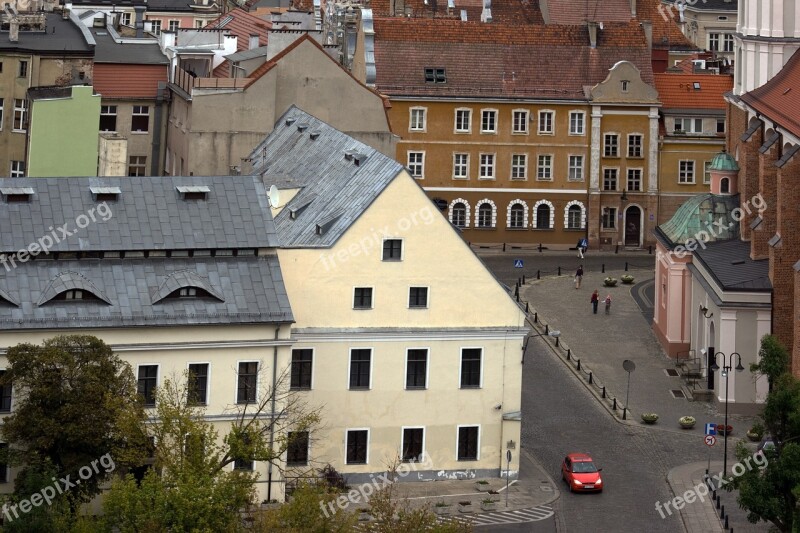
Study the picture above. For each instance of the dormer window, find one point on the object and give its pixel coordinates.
(75, 294)
(105, 194)
(17, 194)
(625, 85)
(435, 75)
(193, 192)
(189, 292)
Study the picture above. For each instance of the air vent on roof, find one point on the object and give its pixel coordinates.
(739, 262)
(359, 159)
(17, 194)
(302, 126)
(290, 121)
(323, 227)
(296, 211)
(105, 194)
(193, 192)
(314, 134)
(348, 154)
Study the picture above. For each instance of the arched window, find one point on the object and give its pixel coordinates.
(574, 217)
(543, 216)
(517, 219)
(485, 216)
(725, 186)
(459, 212)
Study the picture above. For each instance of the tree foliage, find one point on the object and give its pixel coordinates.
(773, 359)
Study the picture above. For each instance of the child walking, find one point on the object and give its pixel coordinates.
(608, 304)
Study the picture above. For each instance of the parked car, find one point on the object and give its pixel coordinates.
(767, 443)
(580, 473)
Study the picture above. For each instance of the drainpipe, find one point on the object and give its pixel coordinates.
(272, 424)
(155, 155)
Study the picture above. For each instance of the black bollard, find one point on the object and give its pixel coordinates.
(538, 274)
(569, 353)
(626, 266)
(536, 317)
(540, 247)
(604, 391)
(523, 279)
(547, 329)
(616, 249)
(615, 404)
(559, 271)
(504, 247)
(556, 341)
(590, 378)
(650, 249)
(579, 364)
(526, 308)
(624, 413)
(603, 270)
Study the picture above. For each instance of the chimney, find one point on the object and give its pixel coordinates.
(13, 30)
(647, 27)
(593, 34)
(65, 13)
(633, 9)
(139, 10)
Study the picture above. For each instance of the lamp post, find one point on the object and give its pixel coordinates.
(726, 368)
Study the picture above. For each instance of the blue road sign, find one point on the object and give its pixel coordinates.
(711, 429)
(518, 263)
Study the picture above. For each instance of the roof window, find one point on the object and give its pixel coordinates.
(193, 192)
(435, 75)
(17, 194)
(105, 194)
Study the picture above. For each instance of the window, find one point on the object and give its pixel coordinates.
(461, 166)
(125, 19)
(707, 172)
(720, 122)
(486, 167)
(417, 119)
(634, 179)
(468, 443)
(3, 463)
(5, 395)
(362, 298)
(545, 122)
(634, 145)
(416, 164)
(489, 121)
(392, 249)
(20, 115)
(485, 213)
(360, 368)
(140, 119)
(609, 218)
(459, 215)
(146, 386)
(174, 25)
(137, 165)
(247, 382)
(713, 41)
(187, 292)
(413, 441)
(108, 118)
(23, 69)
(519, 166)
(302, 360)
(357, 444)
(611, 148)
(544, 168)
(17, 169)
(574, 216)
(689, 125)
(520, 121)
(725, 186)
(244, 463)
(727, 43)
(610, 179)
(463, 120)
(199, 24)
(417, 368)
(543, 216)
(418, 297)
(575, 168)
(1, 104)
(435, 75)
(686, 171)
(725, 39)
(297, 448)
(471, 368)
(576, 123)
(198, 384)
(517, 219)
(155, 27)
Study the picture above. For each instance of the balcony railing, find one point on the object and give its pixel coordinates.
(188, 81)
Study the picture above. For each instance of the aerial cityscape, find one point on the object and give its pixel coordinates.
(400, 265)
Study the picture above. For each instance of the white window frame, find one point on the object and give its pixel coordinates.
(2, 112)
(706, 172)
(467, 210)
(155, 26)
(641, 179)
(125, 18)
(313, 365)
(525, 114)
(208, 378)
(582, 211)
(427, 297)
(686, 177)
(490, 113)
(402, 250)
(466, 110)
(105, 111)
(23, 111)
(541, 167)
(728, 43)
(575, 131)
(460, 364)
(424, 441)
(491, 167)
(571, 167)
(158, 381)
(16, 173)
(524, 205)
(350, 364)
(606, 144)
(372, 300)
(173, 25)
(427, 366)
(493, 220)
(603, 179)
(478, 446)
(714, 40)
(369, 437)
(630, 145)
(135, 113)
(465, 165)
(551, 129)
(614, 218)
(523, 167)
(420, 164)
(691, 121)
(259, 367)
(551, 219)
(414, 114)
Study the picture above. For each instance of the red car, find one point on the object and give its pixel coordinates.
(581, 474)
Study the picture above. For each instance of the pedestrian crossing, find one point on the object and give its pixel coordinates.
(533, 514)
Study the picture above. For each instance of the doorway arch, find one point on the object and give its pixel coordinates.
(632, 226)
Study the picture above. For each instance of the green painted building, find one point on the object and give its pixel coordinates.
(63, 131)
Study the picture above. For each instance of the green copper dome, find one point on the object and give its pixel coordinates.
(724, 162)
(705, 216)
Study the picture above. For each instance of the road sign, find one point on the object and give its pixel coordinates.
(711, 429)
(518, 263)
(710, 440)
(508, 455)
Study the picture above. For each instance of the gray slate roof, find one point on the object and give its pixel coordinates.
(63, 37)
(306, 153)
(149, 215)
(730, 264)
(252, 288)
(107, 50)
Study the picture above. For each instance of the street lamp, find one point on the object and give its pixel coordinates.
(726, 368)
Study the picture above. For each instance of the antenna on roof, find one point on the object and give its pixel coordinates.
(274, 196)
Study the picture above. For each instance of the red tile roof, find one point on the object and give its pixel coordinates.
(677, 90)
(779, 98)
(503, 11)
(496, 60)
(666, 32)
(582, 11)
(242, 24)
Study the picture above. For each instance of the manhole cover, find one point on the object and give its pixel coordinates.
(677, 393)
(671, 372)
(546, 488)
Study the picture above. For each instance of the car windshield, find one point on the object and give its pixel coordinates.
(584, 467)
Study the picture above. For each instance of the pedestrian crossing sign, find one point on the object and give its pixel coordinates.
(518, 263)
(711, 429)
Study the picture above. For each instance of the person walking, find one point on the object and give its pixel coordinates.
(608, 304)
(578, 277)
(583, 244)
(595, 300)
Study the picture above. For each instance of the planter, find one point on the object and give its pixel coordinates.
(649, 418)
(722, 429)
(687, 422)
(610, 282)
(483, 486)
(489, 505)
(627, 280)
(364, 515)
(443, 510)
(464, 507)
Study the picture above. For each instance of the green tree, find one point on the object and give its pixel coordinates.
(75, 403)
(773, 359)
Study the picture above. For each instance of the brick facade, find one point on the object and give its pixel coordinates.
(746, 154)
(768, 187)
(784, 256)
